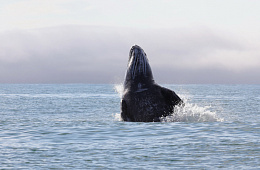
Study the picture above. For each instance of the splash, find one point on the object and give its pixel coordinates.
(117, 117)
(119, 88)
(189, 113)
(192, 113)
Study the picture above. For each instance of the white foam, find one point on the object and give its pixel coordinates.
(192, 113)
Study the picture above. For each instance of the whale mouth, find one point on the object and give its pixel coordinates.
(138, 62)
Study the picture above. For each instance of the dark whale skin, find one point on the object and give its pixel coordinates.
(143, 100)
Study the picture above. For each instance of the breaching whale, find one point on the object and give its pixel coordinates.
(143, 100)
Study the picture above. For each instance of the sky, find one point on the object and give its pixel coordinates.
(88, 41)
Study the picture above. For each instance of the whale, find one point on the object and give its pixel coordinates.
(143, 100)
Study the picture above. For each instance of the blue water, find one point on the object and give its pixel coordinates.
(78, 126)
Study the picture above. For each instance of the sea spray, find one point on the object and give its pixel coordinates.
(191, 113)
(119, 88)
(117, 116)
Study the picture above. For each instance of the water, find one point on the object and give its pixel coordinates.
(78, 127)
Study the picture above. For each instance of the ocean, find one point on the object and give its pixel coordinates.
(78, 126)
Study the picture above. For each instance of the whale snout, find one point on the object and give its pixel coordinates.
(138, 64)
(136, 51)
(137, 56)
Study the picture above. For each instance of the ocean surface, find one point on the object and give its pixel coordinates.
(78, 126)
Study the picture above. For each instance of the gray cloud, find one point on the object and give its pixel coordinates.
(92, 54)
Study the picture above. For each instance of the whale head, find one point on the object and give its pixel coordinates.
(138, 68)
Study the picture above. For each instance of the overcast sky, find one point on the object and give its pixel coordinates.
(88, 41)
